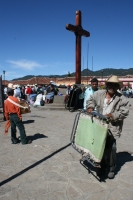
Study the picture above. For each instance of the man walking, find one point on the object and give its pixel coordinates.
(12, 113)
(115, 107)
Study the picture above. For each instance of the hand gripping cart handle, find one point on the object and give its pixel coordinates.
(88, 136)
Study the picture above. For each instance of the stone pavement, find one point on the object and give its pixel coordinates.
(49, 168)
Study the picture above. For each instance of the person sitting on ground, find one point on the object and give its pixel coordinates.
(12, 113)
(32, 98)
(33, 89)
(50, 94)
(39, 99)
(39, 89)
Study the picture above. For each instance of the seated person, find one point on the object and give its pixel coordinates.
(39, 89)
(39, 99)
(32, 98)
(50, 94)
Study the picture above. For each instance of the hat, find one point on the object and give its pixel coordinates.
(114, 79)
(11, 86)
(51, 81)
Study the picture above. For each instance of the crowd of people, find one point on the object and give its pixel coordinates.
(36, 95)
(77, 96)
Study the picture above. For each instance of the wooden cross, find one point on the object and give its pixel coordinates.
(79, 31)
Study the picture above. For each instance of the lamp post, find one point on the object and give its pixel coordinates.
(102, 75)
(4, 76)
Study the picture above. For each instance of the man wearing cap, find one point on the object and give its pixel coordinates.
(115, 107)
(12, 113)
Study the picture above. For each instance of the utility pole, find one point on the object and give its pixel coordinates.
(4, 76)
(87, 61)
(92, 63)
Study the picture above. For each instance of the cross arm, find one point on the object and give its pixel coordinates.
(71, 27)
(78, 30)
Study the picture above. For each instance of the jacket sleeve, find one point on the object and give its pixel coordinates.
(6, 112)
(123, 111)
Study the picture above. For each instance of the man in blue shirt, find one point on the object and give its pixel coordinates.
(90, 90)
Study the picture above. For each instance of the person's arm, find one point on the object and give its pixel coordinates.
(123, 111)
(6, 113)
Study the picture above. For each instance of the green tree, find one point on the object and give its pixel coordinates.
(69, 74)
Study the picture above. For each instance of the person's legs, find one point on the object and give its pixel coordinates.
(14, 139)
(109, 157)
(48, 100)
(65, 98)
(21, 128)
(112, 160)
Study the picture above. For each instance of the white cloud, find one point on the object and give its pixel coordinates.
(59, 64)
(24, 64)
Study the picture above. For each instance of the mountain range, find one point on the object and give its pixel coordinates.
(87, 72)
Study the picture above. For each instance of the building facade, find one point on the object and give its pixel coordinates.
(127, 80)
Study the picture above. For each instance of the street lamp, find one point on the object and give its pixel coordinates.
(4, 75)
(102, 77)
(102, 74)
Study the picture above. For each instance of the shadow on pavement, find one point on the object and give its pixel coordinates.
(36, 136)
(28, 121)
(90, 169)
(34, 165)
(122, 158)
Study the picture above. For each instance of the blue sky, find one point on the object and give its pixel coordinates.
(34, 40)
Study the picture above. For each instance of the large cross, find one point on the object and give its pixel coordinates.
(79, 31)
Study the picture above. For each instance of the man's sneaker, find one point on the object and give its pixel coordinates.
(16, 141)
(111, 175)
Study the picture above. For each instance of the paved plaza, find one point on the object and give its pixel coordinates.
(49, 168)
